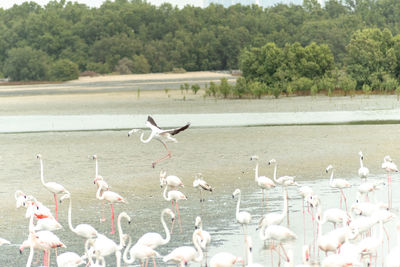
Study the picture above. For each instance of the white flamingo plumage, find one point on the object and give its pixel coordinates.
(274, 217)
(53, 187)
(112, 198)
(172, 181)
(225, 259)
(69, 259)
(84, 230)
(363, 171)
(263, 182)
(242, 217)
(206, 237)
(159, 134)
(202, 185)
(139, 252)
(389, 166)
(174, 196)
(183, 255)
(249, 253)
(393, 259)
(153, 240)
(100, 182)
(369, 245)
(339, 184)
(20, 198)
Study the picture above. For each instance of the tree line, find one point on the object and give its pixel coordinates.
(349, 44)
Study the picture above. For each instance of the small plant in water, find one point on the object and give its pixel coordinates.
(138, 93)
(166, 90)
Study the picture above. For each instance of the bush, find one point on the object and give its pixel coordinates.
(98, 67)
(225, 88)
(258, 89)
(140, 64)
(240, 87)
(89, 73)
(390, 84)
(276, 91)
(347, 84)
(195, 88)
(212, 89)
(178, 70)
(366, 89)
(301, 85)
(64, 70)
(124, 66)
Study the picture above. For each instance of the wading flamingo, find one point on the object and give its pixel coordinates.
(69, 259)
(202, 185)
(84, 230)
(139, 252)
(363, 172)
(111, 197)
(249, 253)
(174, 196)
(225, 259)
(263, 182)
(206, 237)
(99, 182)
(242, 217)
(53, 187)
(159, 134)
(339, 184)
(4, 242)
(183, 255)
(172, 181)
(389, 167)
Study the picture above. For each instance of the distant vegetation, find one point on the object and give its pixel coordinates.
(349, 45)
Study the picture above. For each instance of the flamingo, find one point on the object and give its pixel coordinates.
(369, 186)
(338, 183)
(100, 182)
(84, 230)
(304, 192)
(369, 245)
(263, 182)
(174, 196)
(40, 211)
(104, 246)
(172, 181)
(90, 257)
(53, 187)
(159, 134)
(225, 259)
(20, 198)
(4, 242)
(206, 237)
(153, 240)
(201, 185)
(249, 252)
(273, 217)
(334, 215)
(140, 252)
(363, 172)
(242, 217)
(111, 197)
(389, 167)
(185, 254)
(69, 259)
(327, 242)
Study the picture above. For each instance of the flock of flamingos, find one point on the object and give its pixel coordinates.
(358, 234)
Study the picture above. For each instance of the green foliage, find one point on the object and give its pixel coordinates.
(195, 88)
(212, 89)
(240, 87)
(225, 89)
(301, 85)
(314, 89)
(98, 67)
(390, 84)
(124, 66)
(366, 89)
(258, 89)
(140, 64)
(25, 63)
(64, 70)
(347, 84)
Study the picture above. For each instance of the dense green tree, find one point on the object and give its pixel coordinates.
(64, 70)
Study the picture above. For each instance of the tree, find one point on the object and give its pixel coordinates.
(26, 64)
(64, 70)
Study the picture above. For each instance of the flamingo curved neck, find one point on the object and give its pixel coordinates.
(125, 256)
(198, 248)
(97, 169)
(331, 179)
(165, 194)
(361, 162)
(275, 170)
(121, 237)
(167, 233)
(98, 193)
(148, 139)
(238, 204)
(70, 216)
(285, 203)
(256, 172)
(41, 172)
(31, 250)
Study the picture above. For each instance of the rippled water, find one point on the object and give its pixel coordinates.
(221, 154)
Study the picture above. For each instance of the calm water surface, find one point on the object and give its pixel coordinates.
(222, 155)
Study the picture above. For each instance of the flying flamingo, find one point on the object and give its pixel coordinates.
(99, 182)
(225, 259)
(263, 182)
(153, 240)
(206, 237)
(201, 185)
(159, 134)
(172, 181)
(174, 196)
(84, 230)
(242, 217)
(104, 246)
(389, 167)
(111, 197)
(53, 187)
(338, 183)
(140, 252)
(363, 172)
(183, 255)
(69, 259)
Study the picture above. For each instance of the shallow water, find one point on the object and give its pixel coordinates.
(220, 154)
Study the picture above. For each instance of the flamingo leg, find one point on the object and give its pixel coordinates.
(173, 221)
(287, 213)
(104, 218)
(37, 256)
(55, 200)
(344, 198)
(304, 224)
(112, 220)
(154, 262)
(163, 158)
(179, 216)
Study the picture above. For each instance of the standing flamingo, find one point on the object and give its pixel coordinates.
(363, 172)
(249, 252)
(206, 237)
(201, 185)
(140, 252)
(159, 134)
(304, 192)
(225, 259)
(153, 240)
(273, 217)
(84, 230)
(69, 259)
(263, 182)
(53, 187)
(100, 182)
(338, 183)
(242, 217)
(174, 196)
(389, 167)
(172, 181)
(183, 255)
(111, 197)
